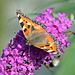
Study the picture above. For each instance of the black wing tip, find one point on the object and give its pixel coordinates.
(18, 12)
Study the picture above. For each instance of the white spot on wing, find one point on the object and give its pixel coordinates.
(50, 50)
(20, 20)
(50, 45)
(54, 53)
(23, 27)
(43, 48)
(29, 23)
(18, 15)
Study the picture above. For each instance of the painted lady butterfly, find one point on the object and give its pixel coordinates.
(37, 35)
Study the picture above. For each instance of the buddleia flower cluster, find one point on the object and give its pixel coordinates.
(21, 59)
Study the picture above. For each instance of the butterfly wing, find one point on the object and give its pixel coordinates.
(37, 38)
(36, 34)
(25, 23)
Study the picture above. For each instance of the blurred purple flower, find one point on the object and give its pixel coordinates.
(55, 33)
(68, 23)
(56, 22)
(62, 15)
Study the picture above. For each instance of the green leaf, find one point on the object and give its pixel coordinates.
(72, 17)
(55, 15)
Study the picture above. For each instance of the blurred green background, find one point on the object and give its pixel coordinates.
(9, 25)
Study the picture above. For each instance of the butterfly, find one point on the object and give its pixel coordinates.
(37, 35)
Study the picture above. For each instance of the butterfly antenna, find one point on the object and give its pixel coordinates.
(20, 36)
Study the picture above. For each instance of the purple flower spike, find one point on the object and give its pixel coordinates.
(17, 60)
(21, 59)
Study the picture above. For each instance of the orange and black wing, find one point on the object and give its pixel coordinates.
(36, 34)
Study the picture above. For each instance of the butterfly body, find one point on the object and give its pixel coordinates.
(37, 35)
